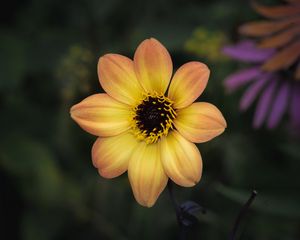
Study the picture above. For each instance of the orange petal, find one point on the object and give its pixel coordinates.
(265, 28)
(297, 75)
(118, 79)
(280, 39)
(146, 174)
(188, 83)
(153, 66)
(111, 154)
(181, 160)
(101, 115)
(293, 1)
(276, 11)
(200, 122)
(284, 58)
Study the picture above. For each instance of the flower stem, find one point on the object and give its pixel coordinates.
(241, 215)
(182, 234)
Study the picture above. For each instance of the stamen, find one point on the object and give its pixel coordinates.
(153, 117)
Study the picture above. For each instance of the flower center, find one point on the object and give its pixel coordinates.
(153, 118)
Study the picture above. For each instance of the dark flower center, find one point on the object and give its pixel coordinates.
(154, 117)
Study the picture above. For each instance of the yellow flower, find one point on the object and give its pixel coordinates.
(142, 129)
(206, 43)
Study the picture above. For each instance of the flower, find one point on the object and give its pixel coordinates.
(281, 32)
(275, 56)
(206, 43)
(73, 71)
(141, 129)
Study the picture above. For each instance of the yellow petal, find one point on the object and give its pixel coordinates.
(153, 66)
(181, 160)
(118, 79)
(146, 174)
(200, 122)
(188, 83)
(111, 154)
(101, 115)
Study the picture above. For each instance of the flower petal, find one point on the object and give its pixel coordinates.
(280, 39)
(241, 78)
(297, 74)
(101, 115)
(284, 58)
(153, 66)
(294, 106)
(253, 90)
(276, 11)
(111, 154)
(118, 79)
(279, 105)
(200, 122)
(247, 51)
(181, 160)
(146, 174)
(265, 28)
(188, 83)
(264, 103)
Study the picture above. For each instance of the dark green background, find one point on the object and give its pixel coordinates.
(48, 186)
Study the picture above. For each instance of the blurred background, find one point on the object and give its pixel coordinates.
(48, 186)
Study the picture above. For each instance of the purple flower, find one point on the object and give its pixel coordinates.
(273, 80)
(275, 92)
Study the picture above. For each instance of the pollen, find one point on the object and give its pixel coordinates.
(153, 118)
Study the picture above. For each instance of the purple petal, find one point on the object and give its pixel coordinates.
(263, 105)
(247, 51)
(295, 105)
(240, 78)
(252, 92)
(279, 105)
